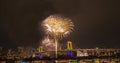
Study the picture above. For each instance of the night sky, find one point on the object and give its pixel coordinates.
(97, 22)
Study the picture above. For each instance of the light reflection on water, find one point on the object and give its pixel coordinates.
(115, 60)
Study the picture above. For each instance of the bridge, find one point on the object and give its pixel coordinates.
(76, 54)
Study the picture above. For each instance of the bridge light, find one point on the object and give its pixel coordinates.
(74, 61)
(70, 53)
(40, 49)
(69, 45)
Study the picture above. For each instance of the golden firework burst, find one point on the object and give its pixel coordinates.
(57, 26)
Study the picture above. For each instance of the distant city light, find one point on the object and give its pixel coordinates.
(70, 53)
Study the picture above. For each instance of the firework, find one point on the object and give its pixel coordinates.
(57, 26)
(48, 44)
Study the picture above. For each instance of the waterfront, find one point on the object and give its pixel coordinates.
(112, 60)
(64, 56)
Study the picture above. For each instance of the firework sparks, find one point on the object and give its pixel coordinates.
(58, 26)
(48, 44)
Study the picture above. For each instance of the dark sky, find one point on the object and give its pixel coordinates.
(97, 22)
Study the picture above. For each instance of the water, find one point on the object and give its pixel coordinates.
(112, 60)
